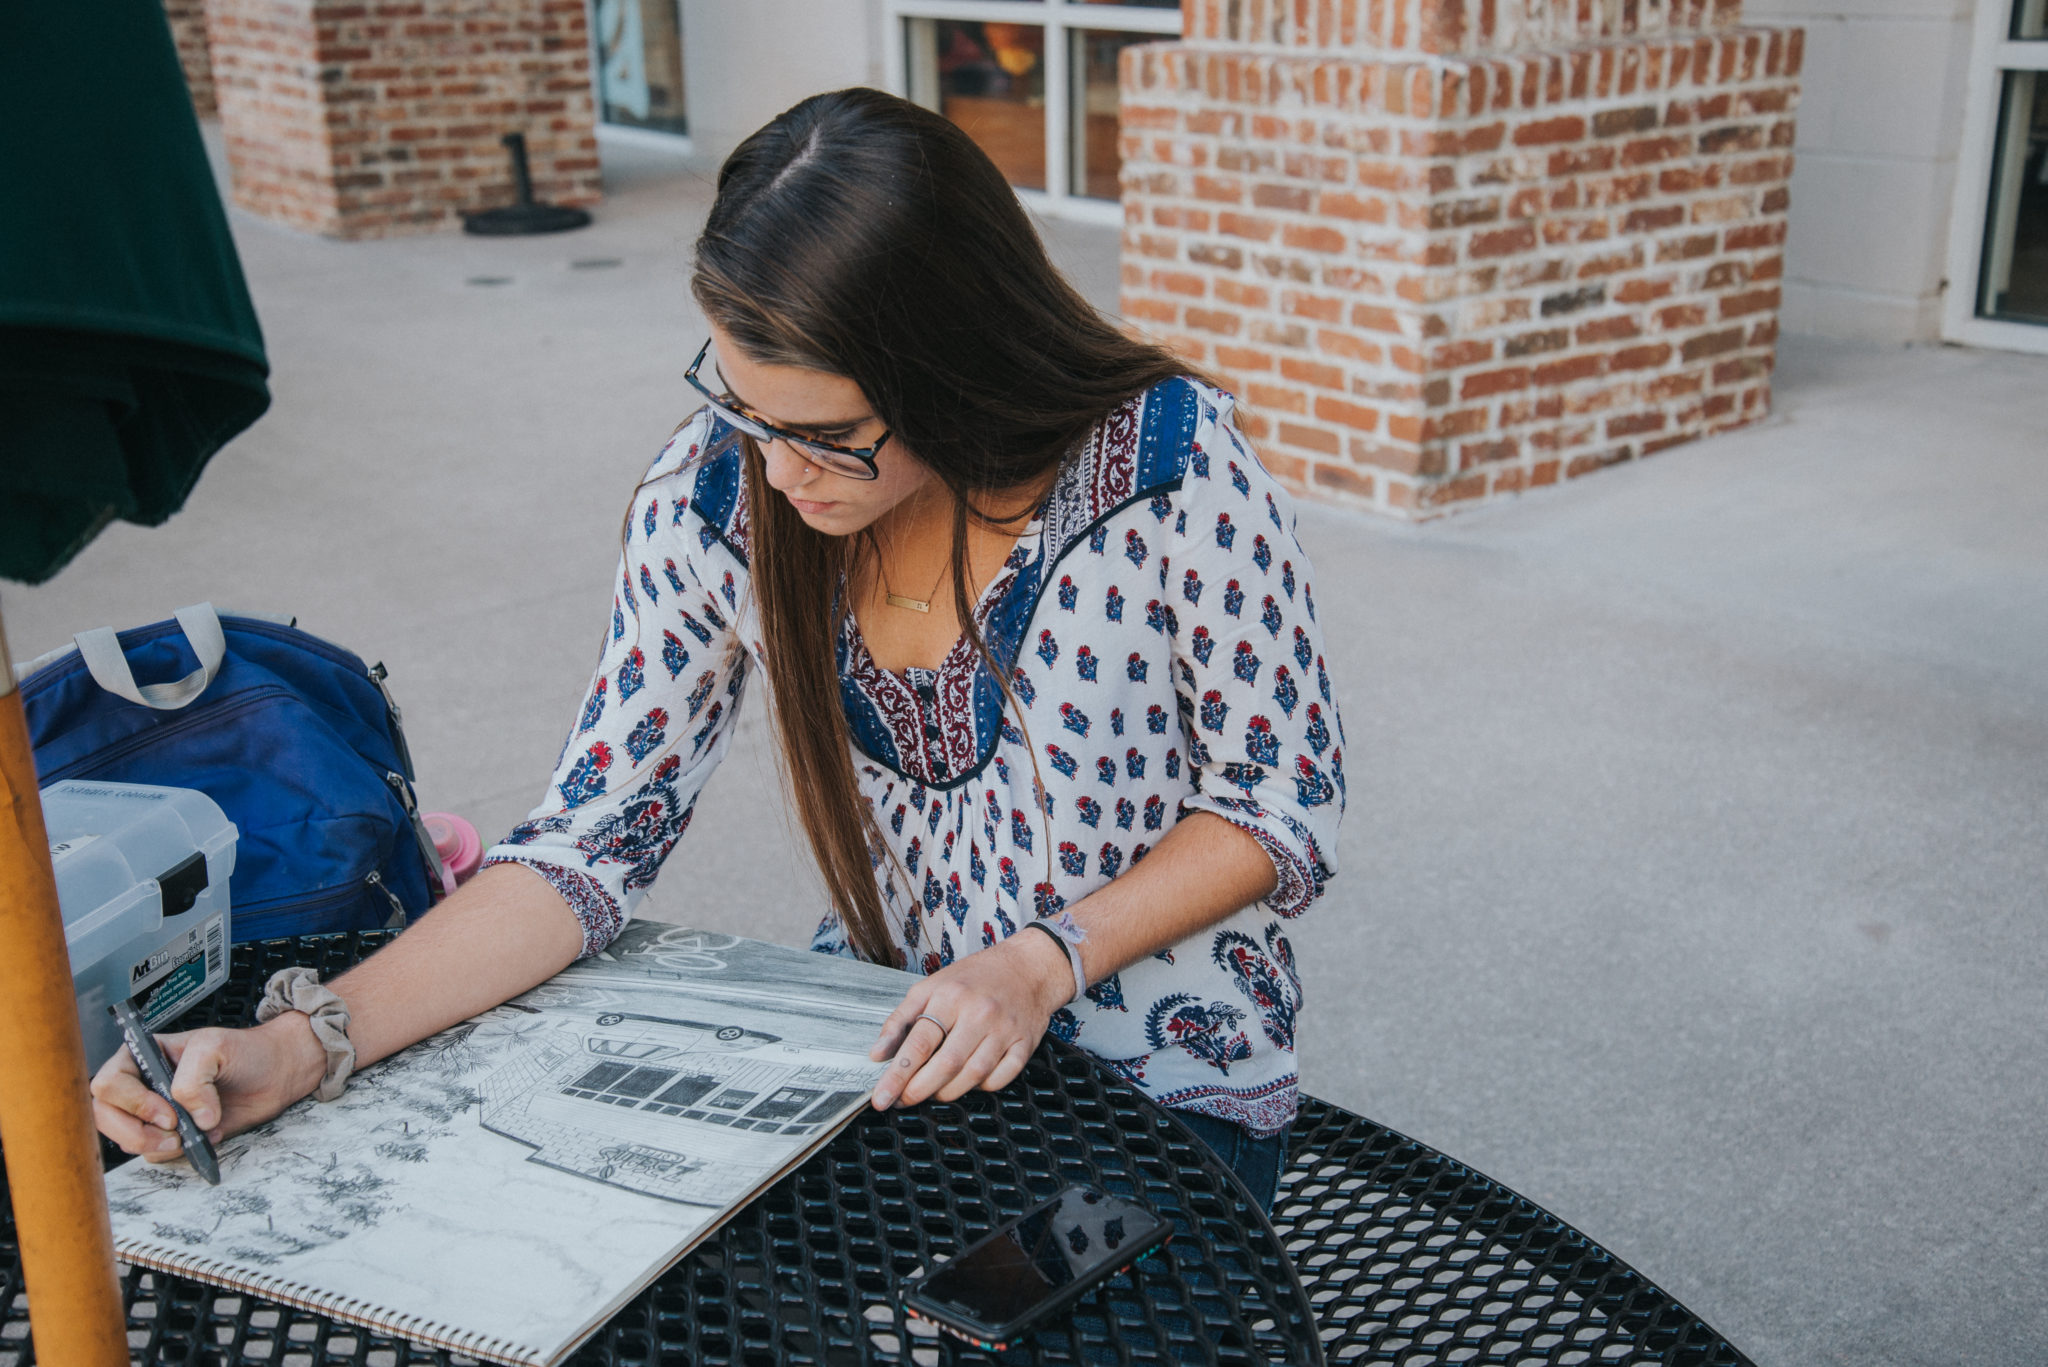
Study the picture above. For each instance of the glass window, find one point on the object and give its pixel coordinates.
(1096, 156)
(990, 79)
(1039, 96)
(2014, 285)
(2030, 19)
(640, 64)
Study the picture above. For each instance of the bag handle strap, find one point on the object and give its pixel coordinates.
(108, 664)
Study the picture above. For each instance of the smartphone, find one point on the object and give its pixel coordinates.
(1040, 1262)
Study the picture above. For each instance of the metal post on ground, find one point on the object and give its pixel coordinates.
(46, 1129)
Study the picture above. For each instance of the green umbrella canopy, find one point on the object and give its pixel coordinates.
(129, 351)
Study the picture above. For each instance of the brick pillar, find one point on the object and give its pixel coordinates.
(188, 30)
(364, 118)
(1444, 251)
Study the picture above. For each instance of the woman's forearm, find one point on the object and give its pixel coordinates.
(503, 931)
(1202, 872)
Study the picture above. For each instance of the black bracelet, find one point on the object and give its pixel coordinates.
(1073, 959)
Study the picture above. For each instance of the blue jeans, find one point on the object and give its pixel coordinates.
(1257, 1162)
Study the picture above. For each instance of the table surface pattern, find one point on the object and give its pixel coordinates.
(1403, 1255)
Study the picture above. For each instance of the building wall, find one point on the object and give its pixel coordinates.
(1880, 132)
(363, 118)
(1436, 282)
(745, 61)
(188, 30)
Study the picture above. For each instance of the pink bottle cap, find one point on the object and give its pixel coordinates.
(462, 850)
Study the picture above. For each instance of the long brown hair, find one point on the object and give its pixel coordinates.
(863, 236)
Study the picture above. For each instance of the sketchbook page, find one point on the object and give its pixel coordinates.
(502, 1187)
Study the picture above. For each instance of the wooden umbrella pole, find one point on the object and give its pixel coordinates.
(53, 1162)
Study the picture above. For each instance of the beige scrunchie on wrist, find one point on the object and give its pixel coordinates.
(299, 989)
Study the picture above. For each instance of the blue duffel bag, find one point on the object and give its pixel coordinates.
(293, 736)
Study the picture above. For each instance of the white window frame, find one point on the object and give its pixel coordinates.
(1060, 19)
(1992, 55)
(625, 134)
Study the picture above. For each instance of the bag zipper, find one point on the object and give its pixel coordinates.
(428, 849)
(395, 720)
(89, 765)
(340, 895)
(399, 920)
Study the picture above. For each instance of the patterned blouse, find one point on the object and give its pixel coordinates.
(1157, 619)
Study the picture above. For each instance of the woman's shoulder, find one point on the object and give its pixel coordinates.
(698, 481)
(1144, 449)
(1154, 440)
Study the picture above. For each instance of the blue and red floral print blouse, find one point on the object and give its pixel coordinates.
(1159, 622)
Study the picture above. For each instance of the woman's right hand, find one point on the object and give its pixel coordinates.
(228, 1080)
(503, 931)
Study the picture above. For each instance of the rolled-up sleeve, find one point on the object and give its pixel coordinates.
(1264, 739)
(655, 720)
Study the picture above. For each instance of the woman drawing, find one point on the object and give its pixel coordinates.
(1038, 639)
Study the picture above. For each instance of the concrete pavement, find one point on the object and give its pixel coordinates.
(1693, 877)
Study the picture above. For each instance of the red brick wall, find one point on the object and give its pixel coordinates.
(1445, 27)
(362, 118)
(188, 29)
(1435, 281)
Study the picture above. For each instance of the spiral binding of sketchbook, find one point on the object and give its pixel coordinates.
(412, 1328)
(503, 1188)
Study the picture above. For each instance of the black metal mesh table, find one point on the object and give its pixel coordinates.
(1404, 1255)
(1411, 1257)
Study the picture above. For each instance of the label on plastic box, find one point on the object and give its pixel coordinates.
(175, 976)
(68, 845)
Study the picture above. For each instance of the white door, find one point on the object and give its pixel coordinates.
(1998, 238)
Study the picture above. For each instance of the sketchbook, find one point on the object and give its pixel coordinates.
(502, 1188)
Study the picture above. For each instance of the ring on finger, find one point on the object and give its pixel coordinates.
(944, 1029)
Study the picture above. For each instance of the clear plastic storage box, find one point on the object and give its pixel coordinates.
(142, 876)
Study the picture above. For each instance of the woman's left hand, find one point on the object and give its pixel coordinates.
(973, 1023)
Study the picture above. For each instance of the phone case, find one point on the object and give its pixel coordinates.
(996, 1337)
